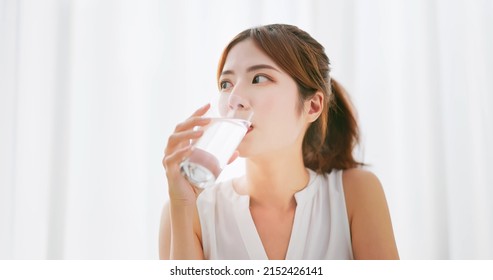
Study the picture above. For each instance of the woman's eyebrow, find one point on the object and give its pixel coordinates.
(261, 66)
(251, 69)
(227, 72)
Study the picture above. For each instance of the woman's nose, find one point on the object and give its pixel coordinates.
(238, 98)
(238, 102)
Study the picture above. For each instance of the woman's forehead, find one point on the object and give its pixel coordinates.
(244, 54)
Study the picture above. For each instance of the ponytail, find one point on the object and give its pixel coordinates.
(331, 147)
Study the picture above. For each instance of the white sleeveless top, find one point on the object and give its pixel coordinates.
(320, 227)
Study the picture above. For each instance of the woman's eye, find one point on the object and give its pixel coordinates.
(226, 85)
(259, 79)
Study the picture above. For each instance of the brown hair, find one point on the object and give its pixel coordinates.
(329, 141)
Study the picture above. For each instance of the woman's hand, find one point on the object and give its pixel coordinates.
(179, 148)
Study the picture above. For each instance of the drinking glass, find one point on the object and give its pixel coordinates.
(231, 119)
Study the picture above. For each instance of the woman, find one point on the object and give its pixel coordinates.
(303, 195)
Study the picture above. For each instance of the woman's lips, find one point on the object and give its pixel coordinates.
(249, 129)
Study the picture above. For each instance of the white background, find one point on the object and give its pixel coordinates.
(90, 91)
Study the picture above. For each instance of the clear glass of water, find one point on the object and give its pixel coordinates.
(231, 119)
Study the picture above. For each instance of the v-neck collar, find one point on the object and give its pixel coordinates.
(299, 231)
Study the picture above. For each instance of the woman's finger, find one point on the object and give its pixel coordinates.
(172, 162)
(201, 111)
(180, 139)
(191, 123)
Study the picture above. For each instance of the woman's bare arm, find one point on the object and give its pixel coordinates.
(371, 227)
(179, 236)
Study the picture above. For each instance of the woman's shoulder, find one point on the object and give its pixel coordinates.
(358, 179)
(362, 189)
(369, 217)
(358, 175)
(353, 179)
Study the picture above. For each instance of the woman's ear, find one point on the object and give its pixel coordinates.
(314, 106)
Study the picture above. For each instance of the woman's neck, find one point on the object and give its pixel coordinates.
(272, 182)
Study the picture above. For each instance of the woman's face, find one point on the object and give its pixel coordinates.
(277, 125)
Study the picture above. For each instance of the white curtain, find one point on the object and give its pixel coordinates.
(90, 90)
